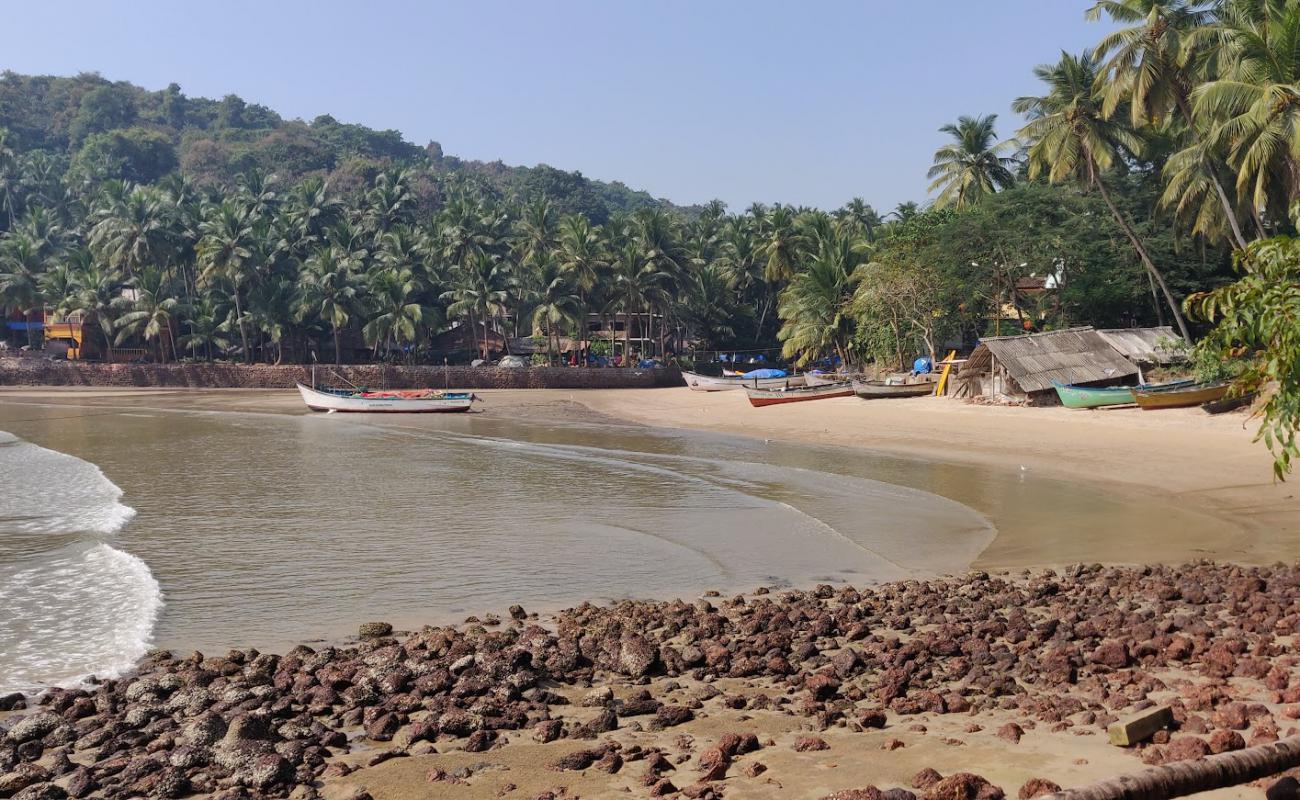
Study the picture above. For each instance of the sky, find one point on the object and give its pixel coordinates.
(809, 103)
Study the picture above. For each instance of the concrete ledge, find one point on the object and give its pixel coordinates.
(35, 372)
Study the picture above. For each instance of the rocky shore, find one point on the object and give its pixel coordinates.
(719, 697)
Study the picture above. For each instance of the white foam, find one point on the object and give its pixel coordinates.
(86, 609)
(51, 492)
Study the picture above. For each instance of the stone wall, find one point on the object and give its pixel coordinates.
(40, 372)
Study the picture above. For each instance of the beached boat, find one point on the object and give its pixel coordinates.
(1073, 396)
(710, 383)
(894, 387)
(1191, 395)
(771, 397)
(415, 401)
(1226, 404)
(824, 378)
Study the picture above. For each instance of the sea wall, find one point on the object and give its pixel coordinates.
(40, 372)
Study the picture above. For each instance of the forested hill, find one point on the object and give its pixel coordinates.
(119, 130)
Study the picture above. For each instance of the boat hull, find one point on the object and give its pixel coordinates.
(709, 383)
(1090, 397)
(879, 390)
(759, 398)
(326, 401)
(1178, 398)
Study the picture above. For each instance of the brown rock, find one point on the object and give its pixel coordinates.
(1037, 787)
(754, 768)
(1222, 741)
(866, 793)
(713, 764)
(805, 744)
(964, 786)
(1011, 732)
(926, 779)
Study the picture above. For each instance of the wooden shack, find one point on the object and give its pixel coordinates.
(1023, 368)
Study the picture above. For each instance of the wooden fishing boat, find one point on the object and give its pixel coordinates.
(1226, 404)
(1073, 396)
(1191, 395)
(710, 383)
(771, 397)
(894, 387)
(824, 378)
(416, 401)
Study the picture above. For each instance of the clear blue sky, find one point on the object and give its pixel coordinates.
(810, 103)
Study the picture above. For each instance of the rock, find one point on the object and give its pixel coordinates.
(866, 793)
(22, 776)
(46, 791)
(926, 779)
(1185, 748)
(1288, 788)
(754, 768)
(382, 728)
(822, 687)
(1112, 653)
(609, 763)
(668, 716)
(34, 726)
(662, 788)
(577, 760)
(636, 656)
(374, 630)
(1037, 787)
(547, 731)
(897, 794)
(713, 764)
(604, 722)
(964, 786)
(599, 698)
(14, 701)
(872, 718)
(480, 741)
(806, 744)
(461, 664)
(1222, 741)
(1010, 732)
(81, 783)
(517, 612)
(1232, 716)
(738, 744)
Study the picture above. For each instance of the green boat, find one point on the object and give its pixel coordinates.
(1100, 396)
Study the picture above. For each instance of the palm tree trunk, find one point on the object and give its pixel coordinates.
(243, 332)
(338, 353)
(1142, 252)
(627, 335)
(1191, 777)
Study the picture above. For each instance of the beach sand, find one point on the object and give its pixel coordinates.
(1209, 463)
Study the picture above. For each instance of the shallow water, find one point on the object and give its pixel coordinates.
(252, 529)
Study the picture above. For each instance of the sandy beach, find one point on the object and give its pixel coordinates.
(1009, 674)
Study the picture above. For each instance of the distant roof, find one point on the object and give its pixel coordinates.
(1147, 345)
(1076, 355)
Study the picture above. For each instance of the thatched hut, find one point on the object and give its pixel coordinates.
(1024, 367)
(1147, 347)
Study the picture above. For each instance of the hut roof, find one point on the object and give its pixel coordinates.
(1147, 345)
(1076, 355)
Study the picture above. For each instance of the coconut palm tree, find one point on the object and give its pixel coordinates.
(1148, 67)
(99, 297)
(224, 254)
(1071, 139)
(972, 165)
(206, 330)
(815, 307)
(134, 231)
(557, 303)
(637, 284)
(478, 293)
(399, 316)
(1253, 104)
(327, 291)
(582, 259)
(21, 268)
(152, 311)
(780, 245)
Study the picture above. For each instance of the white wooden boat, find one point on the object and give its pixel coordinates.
(417, 401)
(710, 383)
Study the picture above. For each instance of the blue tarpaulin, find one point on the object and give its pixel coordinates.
(26, 326)
(765, 373)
